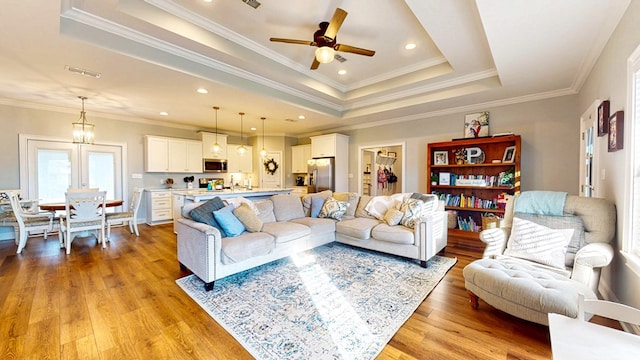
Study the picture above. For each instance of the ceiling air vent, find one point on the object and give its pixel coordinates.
(340, 58)
(253, 3)
(84, 72)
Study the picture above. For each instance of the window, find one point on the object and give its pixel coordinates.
(631, 243)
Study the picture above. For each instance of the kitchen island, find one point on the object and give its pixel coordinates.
(182, 197)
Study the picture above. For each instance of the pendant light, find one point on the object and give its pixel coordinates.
(82, 130)
(263, 152)
(241, 149)
(216, 147)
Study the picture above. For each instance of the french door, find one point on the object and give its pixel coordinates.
(49, 167)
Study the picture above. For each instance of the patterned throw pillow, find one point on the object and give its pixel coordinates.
(393, 217)
(538, 243)
(333, 209)
(204, 213)
(412, 209)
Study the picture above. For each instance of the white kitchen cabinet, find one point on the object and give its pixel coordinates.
(156, 151)
(208, 139)
(159, 210)
(164, 154)
(299, 156)
(185, 156)
(239, 163)
(337, 146)
(329, 145)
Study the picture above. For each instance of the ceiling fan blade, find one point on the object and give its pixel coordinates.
(292, 41)
(315, 63)
(335, 23)
(354, 50)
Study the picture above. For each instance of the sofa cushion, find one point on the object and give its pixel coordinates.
(538, 243)
(317, 226)
(430, 202)
(229, 222)
(359, 228)
(561, 222)
(285, 231)
(203, 212)
(411, 209)
(316, 205)
(349, 197)
(393, 217)
(306, 200)
(287, 207)
(362, 204)
(248, 218)
(333, 209)
(394, 234)
(246, 246)
(265, 209)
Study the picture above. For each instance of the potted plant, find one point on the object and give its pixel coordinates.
(434, 179)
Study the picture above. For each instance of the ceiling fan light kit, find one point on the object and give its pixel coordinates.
(325, 40)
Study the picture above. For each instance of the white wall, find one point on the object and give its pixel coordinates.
(608, 81)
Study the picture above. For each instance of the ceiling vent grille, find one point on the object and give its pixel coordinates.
(84, 72)
(253, 3)
(340, 58)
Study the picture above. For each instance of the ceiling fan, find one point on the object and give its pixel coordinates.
(325, 40)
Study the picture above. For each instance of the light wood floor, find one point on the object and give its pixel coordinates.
(122, 303)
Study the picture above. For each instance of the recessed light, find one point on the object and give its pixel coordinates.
(208, 0)
(253, 129)
(202, 91)
(164, 113)
(410, 46)
(342, 72)
(301, 117)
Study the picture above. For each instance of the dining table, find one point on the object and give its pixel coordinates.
(61, 206)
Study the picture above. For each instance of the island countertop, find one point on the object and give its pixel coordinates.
(197, 195)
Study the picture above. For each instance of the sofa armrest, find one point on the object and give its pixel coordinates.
(430, 233)
(496, 240)
(588, 261)
(198, 247)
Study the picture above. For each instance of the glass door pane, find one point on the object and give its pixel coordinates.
(50, 170)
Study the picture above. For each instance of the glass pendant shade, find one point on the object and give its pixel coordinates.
(241, 149)
(325, 54)
(216, 147)
(263, 152)
(82, 131)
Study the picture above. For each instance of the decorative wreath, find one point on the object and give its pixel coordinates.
(271, 166)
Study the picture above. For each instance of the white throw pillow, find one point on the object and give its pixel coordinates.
(538, 243)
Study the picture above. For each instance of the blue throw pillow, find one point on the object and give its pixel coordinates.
(316, 205)
(229, 222)
(204, 213)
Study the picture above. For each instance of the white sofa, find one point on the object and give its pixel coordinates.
(288, 229)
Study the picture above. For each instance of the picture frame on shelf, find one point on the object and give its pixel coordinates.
(392, 154)
(476, 125)
(616, 131)
(603, 118)
(509, 154)
(444, 178)
(441, 158)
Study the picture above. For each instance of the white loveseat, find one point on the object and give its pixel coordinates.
(288, 228)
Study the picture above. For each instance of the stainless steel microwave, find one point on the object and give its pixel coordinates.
(214, 165)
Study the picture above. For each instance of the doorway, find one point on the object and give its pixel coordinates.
(381, 169)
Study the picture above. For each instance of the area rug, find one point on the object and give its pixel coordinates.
(332, 302)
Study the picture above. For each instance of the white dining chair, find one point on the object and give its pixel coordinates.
(29, 220)
(84, 211)
(130, 216)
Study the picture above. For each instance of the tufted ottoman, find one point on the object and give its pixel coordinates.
(524, 289)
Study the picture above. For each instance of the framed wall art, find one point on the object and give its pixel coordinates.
(476, 125)
(616, 131)
(603, 118)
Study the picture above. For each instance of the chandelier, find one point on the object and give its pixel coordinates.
(216, 147)
(82, 130)
(241, 149)
(263, 152)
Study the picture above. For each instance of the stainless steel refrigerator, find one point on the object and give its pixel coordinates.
(321, 173)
